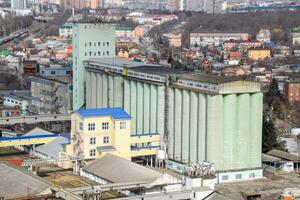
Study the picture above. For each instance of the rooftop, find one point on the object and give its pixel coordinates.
(207, 78)
(18, 183)
(53, 148)
(119, 170)
(284, 155)
(115, 113)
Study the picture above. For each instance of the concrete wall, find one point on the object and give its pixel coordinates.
(224, 129)
(88, 41)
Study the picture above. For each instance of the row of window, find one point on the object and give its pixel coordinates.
(105, 140)
(12, 101)
(96, 53)
(237, 176)
(105, 126)
(95, 44)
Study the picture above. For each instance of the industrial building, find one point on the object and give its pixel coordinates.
(196, 115)
(90, 40)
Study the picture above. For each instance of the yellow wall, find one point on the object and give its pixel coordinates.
(119, 138)
(259, 54)
(29, 141)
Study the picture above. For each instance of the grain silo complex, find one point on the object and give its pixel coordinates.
(201, 117)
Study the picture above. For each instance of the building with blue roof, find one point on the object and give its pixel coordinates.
(99, 131)
(115, 113)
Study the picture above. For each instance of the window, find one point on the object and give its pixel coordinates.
(85, 53)
(99, 53)
(122, 125)
(90, 44)
(52, 72)
(80, 126)
(103, 43)
(94, 43)
(91, 126)
(85, 44)
(105, 139)
(90, 53)
(93, 152)
(251, 175)
(238, 176)
(94, 53)
(99, 44)
(105, 125)
(107, 53)
(92, 140)
(225, 177)
(107, 43)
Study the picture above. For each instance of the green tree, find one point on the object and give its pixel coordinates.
(274, 89)
(270, 136)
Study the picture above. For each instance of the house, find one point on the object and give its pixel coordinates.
(30, 67)
(264, 36)
(234, 55)
(9, 111)
(234, 71)
(259, 53)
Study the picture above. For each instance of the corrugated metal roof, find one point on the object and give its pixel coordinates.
(16, 183)
(284, 155)
(119, 170)
(38, 132)
(268, 158)
(115, 113)
(53, 148)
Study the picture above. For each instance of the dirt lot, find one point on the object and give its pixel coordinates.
(270, 188)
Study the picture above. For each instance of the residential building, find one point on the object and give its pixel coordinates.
(15, 100)
(292, 90)
(139, 31)
(173, 5)
(264, 35)
(19, 4)
(10, 111)
(196, 113)
(259, 53)
(296, 38)
(108, 130)
(124, 32)
(65, 30)
(55, 70)
(215, 38)
(240, 45)
(30, 67)
(51, 94)
(90, 40)
(174, 40)
(234, 71)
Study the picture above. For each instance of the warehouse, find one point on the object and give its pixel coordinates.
(195, 114)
